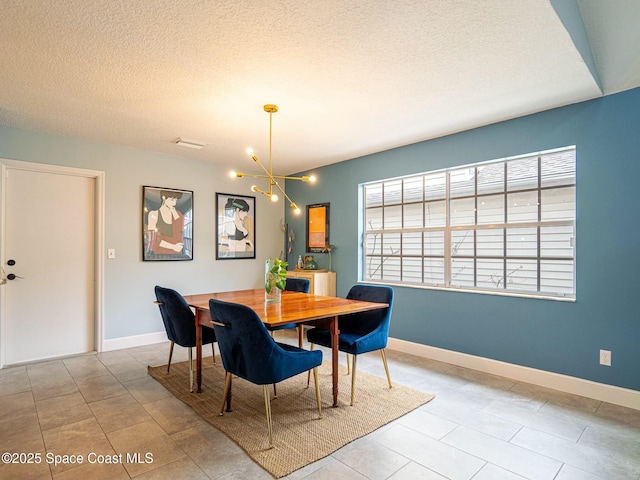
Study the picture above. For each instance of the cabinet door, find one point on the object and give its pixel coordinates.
(320, 283)
(325, 284)
(312, 284)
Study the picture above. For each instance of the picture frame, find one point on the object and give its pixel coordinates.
(317, 227)
(235, 226)
(167, 224)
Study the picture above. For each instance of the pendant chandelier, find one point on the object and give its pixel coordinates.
(268, 173)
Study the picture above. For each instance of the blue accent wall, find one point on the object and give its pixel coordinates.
(560, 337)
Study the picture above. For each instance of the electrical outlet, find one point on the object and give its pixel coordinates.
(605, 358)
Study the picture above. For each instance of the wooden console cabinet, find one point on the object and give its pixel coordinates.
(321, 282)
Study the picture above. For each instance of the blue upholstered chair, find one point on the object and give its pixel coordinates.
(294, 285)
(361, 332)
(248, 351)
(180, 324)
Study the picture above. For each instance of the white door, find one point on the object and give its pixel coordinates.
(49, 306)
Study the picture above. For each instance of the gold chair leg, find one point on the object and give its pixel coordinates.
(267, 408)
(386, 368)
(348, 369)
(275, 391)
(353, 379)
(190, 369)
(225, 393)
(170, 355)
(309, 372)
(315, 379)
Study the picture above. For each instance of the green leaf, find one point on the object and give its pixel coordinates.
(277, 274)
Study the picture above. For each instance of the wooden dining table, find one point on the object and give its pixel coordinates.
(293, 307)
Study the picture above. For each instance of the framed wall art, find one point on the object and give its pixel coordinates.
(167, 224)
(235, 226)
(317, 227)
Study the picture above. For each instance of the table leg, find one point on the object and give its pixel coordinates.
(198, 352)
(333, 328)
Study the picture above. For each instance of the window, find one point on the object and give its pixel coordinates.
(503, 226)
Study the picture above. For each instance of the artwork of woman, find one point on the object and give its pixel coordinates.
(234, 232)
(166, 225)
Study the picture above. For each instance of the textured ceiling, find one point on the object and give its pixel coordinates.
(350, 78)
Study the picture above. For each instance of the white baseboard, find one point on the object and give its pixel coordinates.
(133, 341)
(564, 383)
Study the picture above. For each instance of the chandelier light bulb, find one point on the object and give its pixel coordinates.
(268, 172)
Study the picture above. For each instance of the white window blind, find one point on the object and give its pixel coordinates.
(500, 226)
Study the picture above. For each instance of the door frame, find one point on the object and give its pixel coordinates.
(99, 178)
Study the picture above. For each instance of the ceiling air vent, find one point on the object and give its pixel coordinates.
(190, 143)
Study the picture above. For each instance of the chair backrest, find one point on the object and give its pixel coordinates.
(366, 322)
(298, 285)
(246, 348)
(178, 319)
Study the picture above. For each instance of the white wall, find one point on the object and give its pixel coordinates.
(129, 282)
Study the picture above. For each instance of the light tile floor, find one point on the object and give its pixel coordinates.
(479, 427)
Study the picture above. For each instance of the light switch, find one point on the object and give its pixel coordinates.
(111, 253)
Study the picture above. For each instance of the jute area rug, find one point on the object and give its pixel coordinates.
(299, 436)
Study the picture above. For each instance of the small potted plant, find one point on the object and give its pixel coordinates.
(275, 279)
